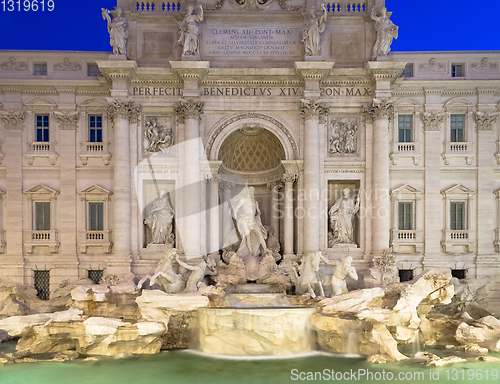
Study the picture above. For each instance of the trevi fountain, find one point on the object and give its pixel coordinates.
(330, 305)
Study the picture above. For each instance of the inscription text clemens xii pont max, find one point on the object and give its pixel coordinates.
(251, 42)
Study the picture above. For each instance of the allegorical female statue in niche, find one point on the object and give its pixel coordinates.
(189, 31)
(386, 32)
(118, 31)
(311, 34)
(341, 218)
(159, 220)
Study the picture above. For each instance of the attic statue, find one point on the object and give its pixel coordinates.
(311, 34)
(118, 31)
(386, 32)
(190, 33)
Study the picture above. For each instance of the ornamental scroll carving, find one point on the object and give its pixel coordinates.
(485, 120)
(66, 120)
(13, 65)
(380, 109)
(68, 65)
(123, 109)
(342, 136)
(189, 109)
(432, 66)
(12, 120)
(251, 4)
(484, 66)
(313, 109)
(433, 120)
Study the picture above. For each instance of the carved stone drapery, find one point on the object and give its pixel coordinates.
(189, 109)
(292, 8)
(12, 120)
(123, 109)
(213, 7)
(13, 65)
(380, 109)
(432, 121)
(313, 109)
(68, 65)
(485, 120)
(251, 4)
(66, 120)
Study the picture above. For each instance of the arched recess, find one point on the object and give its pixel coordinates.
(230, 124)
(93, 103)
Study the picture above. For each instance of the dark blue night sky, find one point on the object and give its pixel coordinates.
(425, 25)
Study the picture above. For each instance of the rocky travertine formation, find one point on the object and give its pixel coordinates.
(484, 333)
(94, 336)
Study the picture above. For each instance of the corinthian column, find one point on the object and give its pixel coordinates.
(312, 111)
(288, 179)
(121, 112)
(189, 112)
(380, 112)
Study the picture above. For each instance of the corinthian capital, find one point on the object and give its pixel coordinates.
(313, 109)
(12, 120)
(123, 109)
(189, 109)
(380, 109)
(66, 120)
(485, 120)
(432, 121)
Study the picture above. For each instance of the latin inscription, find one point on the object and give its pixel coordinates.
(251, 42)
(255, 91)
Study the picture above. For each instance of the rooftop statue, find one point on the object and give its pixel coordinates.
(341, 218)
(311, 34)
(118, 31)
(190, 33)
(386, 32)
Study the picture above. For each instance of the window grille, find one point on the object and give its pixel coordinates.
(42, 284)
(95, 275)
(405, 275)
(458, 273)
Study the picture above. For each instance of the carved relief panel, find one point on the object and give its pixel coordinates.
(342, 136)
(158, 134)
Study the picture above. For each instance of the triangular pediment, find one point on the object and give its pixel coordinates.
(405, 191)
(41, 189)
(95, 190)
(458, 189)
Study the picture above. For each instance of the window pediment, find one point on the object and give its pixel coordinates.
(406, 191)
(41, 190)
(95, 191)
(458, 190)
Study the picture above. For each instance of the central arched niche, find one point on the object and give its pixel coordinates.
(251, 149)
(255, 154)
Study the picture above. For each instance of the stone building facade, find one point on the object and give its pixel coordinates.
(414, 135)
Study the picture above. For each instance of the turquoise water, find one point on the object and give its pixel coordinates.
(184, 367)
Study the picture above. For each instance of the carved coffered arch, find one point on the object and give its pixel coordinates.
(228, 125)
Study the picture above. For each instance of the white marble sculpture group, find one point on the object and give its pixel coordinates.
(189, 32)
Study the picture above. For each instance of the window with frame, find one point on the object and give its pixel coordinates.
(457, 216)
(457, 128)
(405, 128)
(95, 129)
(42, 216)
(93, 70)
(42, 128)
(40, 69)
(405, 216)
(408, 71)
(457, 70)
(96, 216)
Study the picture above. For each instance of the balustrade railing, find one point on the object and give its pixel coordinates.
(346, 7)
(158, 6)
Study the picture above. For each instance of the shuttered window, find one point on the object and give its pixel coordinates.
(405, 216)
(42, 216)
(457, 215)
(96, 216)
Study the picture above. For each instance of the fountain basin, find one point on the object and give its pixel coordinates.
(257, 331)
